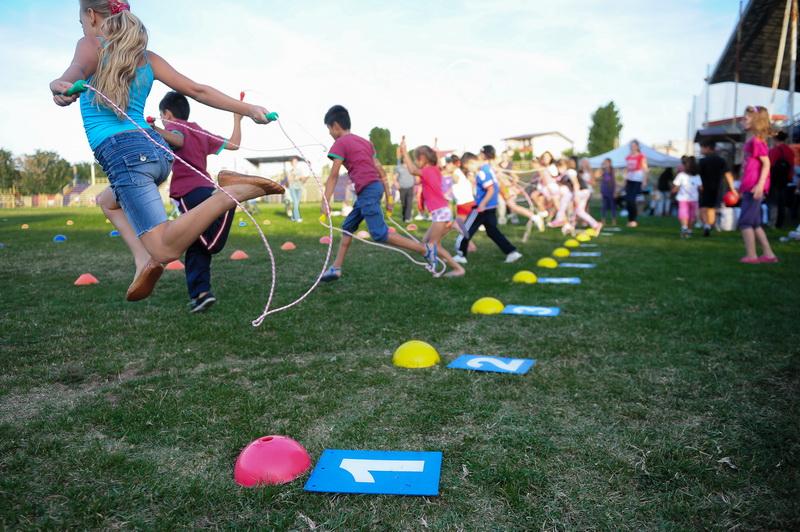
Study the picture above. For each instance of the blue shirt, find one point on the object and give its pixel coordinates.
(485, 179)
(101, 122)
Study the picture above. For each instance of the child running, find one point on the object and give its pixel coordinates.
(485, 213)
(190, 189)
(113, 57)
(687, 187)
(358, 156)
(435, 202)
(755, 185)
(463, 190)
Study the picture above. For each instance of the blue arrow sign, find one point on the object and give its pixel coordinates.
(515, 366)
(542, 312)
(578, 265)
(377, 472)
(559, 280)
(586, 254)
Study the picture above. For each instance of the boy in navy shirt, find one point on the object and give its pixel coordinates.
(485, 212)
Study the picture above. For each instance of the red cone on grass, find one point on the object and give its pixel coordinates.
(288, 246)
(411, 227)
(86, 279)
(239, 255)
(325, 240)
(270, 460)
(175, 266)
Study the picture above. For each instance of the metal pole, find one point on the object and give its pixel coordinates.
(708, 94)
(792, 71)
(736, 72)
(781, 50)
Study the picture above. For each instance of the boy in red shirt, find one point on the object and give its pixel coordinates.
(190, 190)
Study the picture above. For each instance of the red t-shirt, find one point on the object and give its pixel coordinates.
(635, 162)
(432, 193)
(781, 152)
(196, 149)
(358, 155)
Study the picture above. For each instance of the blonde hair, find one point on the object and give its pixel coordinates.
(122, 52)
(760, 124)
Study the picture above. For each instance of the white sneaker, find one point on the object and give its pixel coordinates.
(461, 259)
(539, 221)
(513, 257)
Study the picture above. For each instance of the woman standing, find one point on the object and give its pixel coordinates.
(635, 180)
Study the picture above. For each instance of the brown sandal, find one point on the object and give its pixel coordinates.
(143, 286)
(270, 187)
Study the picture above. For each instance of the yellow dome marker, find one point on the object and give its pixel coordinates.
(592, 232)
(415, 354)
(487, 305)
(583, 237)
(572, 243)
(525, 277)
(561, 253)
(547, 262)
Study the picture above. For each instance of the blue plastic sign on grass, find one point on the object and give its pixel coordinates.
(113, 234)
(589, 245)
(586, 254)
(514, 366)
(59, 238)
(578, 265)
(613, 229)
(242, 224)
(541, 312)
(377, 473)
(559, 280)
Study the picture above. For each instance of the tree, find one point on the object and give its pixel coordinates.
(9, 175)
(605, 130)
(381, 138)
(44, 172)
(84, 171)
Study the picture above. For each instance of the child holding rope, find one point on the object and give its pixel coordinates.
(113, 57)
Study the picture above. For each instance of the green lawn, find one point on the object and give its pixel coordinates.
(665, 396)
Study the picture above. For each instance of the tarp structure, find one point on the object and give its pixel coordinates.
(655, 159)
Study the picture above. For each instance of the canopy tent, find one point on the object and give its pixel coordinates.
(655, 159)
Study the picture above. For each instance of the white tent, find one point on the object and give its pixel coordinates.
(655, 159)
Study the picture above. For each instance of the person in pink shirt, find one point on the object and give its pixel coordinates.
(754, 186)
(436, 203)
(635, 180)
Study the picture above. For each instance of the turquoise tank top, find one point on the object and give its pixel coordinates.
(101, 123)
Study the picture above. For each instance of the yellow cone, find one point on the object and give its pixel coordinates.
(487, 305)
(415, 354)
(583, 237)
(572, 243)
(561, 253)
(592, 232)
(547, 262)
(525, 277)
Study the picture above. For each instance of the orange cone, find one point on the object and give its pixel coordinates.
(175, 266)
(288, 246)
(411, 227)
(86, 279)
(239, 255)
(325, 240)
(25, 227)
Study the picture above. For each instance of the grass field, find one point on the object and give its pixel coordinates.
(665, 397)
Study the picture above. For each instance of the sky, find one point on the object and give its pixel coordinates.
(466, 72)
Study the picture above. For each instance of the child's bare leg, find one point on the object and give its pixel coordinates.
(405, 243)
(344, 246)
(168, 241)
(761, 236)
(116, 216)
(435, 235)
(748, 235)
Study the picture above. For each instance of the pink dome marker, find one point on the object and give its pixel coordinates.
(271, 460)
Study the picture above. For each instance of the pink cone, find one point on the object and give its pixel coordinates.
(362, 234)
(239, 255)
(86, 279)
(411, 227)
(270, 460)
(288, 246)
(325, 240)
(175, 266)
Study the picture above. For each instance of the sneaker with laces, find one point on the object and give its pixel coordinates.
(333, 274)
(202, 303)
(459, 258)
(431, 257)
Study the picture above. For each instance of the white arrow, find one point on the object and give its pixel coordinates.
(477, 363)
(361, 469)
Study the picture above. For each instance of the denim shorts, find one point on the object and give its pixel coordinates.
(368, 207)
(750, 212)
(135, 168)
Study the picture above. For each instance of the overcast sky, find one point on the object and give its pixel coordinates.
(468, 72)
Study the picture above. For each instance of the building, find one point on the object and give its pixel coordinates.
(538, 143)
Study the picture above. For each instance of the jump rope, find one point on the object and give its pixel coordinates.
(81, 86)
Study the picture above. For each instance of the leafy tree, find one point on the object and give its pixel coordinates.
(9, 175)
(381, 138)
(570, 153)
(44, 172)
(84, 171)
(605, 130)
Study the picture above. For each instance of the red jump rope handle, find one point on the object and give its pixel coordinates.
(151, 120)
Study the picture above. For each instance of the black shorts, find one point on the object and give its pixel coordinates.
(710, 198)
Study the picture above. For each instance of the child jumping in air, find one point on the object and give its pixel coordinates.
(358, 156)
(485, 212)
(190, 189)
(113, 57)
(755, 186)
(687, 187)
(436, 203)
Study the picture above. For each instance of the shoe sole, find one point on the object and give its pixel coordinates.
(143, 286)
(270, 187)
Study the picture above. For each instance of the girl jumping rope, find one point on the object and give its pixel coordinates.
(435, 202)
(113, 58)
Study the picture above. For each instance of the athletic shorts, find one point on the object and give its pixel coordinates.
(750, 213)
(442, 215)
(368, 207)
(709, 198)
(687, 210)
(465, 209)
